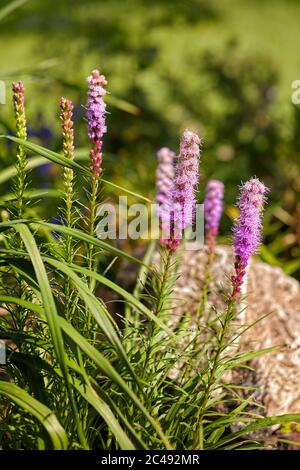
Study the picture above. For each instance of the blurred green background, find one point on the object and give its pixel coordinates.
(222, 68)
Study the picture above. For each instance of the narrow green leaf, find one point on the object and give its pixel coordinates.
(268, 257)
(10, 7)
(11, 171)
(124, 190)
(32, 194)
(23, 303)
(49, 154)
(79, 235)
(46, 293)
(260, 424)
(63, 161)
(291, 266)
(45, 416)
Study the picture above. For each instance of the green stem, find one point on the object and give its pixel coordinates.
(198, 442)
(68, 242)
(205, 291)
(161, 301)
(91, 261)
(21, 178)
(164, 284)
(92, 222)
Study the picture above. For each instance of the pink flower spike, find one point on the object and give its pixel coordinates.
(247, 228)
(96, 109)
(176, 194)
(213, 208)
(186, 180)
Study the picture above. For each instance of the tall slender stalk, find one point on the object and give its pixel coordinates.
(198, 442)
(21, 132)
(66, 113)
(205, 290)
(247, 235)
(213, 208)
(93, 206)
(162, 298)
(96, 110)
(164, 283)
(20, 184)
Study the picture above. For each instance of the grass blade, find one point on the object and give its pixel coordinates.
(65, 162)
(45, 416)
(10, 7)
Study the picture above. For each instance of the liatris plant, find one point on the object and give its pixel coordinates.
(19, 108)
(177, 195)
(247, 235)
(213, 208)
(247, 229)
(66, 113)
(96, 109)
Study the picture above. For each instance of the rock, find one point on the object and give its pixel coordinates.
(268, 290)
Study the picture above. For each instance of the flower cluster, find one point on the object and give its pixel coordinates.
(164, 184)
(213, 208)
(247, 229)
(18, 102)
(96, 109)
(176, 193)
(164, 175)
(186, 179)
(66, 113)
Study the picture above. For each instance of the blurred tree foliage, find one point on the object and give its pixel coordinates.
(164, 75)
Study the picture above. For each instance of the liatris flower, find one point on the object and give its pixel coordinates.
(164, 184)
(19, 108)
(96, 109)
(18, 101)
(164, 175)
(247, 229)
(186, 179)
(183, 193)
(66, 113)
(213, 208)
(66, 107)
(180, 202)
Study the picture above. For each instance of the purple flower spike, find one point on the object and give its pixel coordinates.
(247, 229)
(186, 179)
(164, 175)
(96, 109)
(164, 185)
(182, 202)
(213, 208)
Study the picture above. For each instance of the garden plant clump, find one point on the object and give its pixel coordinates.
(81, 375)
